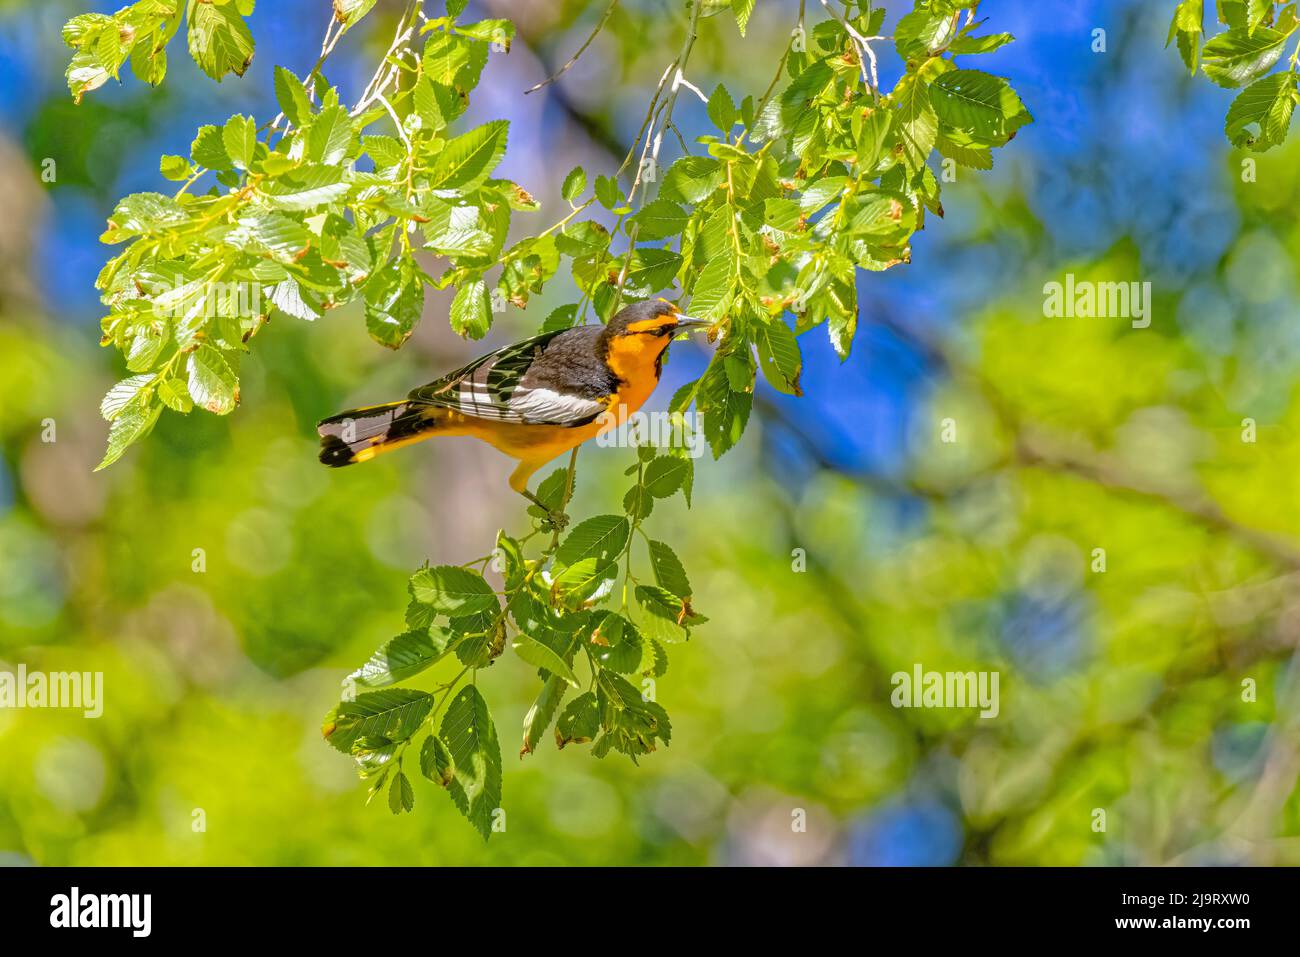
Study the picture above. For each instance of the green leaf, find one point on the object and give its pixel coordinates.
(923, 31)
(603, 536)
(471, 737)
(651, 270)
(984, 104)
(659, 220)
(219, 40)
(240, 139)
(575, 184)
(539, 716)
(722, 109)
(471, 310)
(1235, 57)
(401, 796)
(668, 570)
(291, 94)
(779, 356)
(307, 188)
(175, 395)
(743, 9)
(986, 44)
(392, 715)
(726, 412)
(1187, 26)
(175, 168)
(715, 286)
(539, 655)
(209, 149)
(608, 193)
(213, 384)
(281, 235)
(664, 476)
(1260, 116)
(1256, 12)
(453, 591)
(132, 423)
(436, 762)
(122, 395)
(348, 12)
(329, 138)
(470, 158)
(579, 722)
(691, 179)
(917, 122)
(400, 658)
(394, 298)
(498, 32)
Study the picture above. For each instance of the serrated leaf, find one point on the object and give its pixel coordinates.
(213, 384)
(1235, 57)
(664, 475)
(453, 591)
(400, 658)
(219, 40)
(348, 12)
(401, 796)
(1260, 116)
(575, 184)
(668, 569)
(722, 109)
(393, 715)
(779, 356)
(239, 136)
(291, 95)
(471, 738)
(659, 220)
(471, 310)
(979, 102)
(469, 159)
(603, 536)
(539, 716)
(436, 761)
(579, 722)
(539, 655)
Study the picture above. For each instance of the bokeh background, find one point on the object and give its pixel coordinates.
(1120, 690)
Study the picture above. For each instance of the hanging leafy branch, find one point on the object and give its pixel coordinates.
(822, 174)
(218, 38)
(1255, 40)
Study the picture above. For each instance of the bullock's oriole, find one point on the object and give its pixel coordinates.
(533, 400)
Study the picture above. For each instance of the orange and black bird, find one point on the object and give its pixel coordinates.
(533, 400)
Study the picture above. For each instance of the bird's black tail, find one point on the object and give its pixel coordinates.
(358, 435)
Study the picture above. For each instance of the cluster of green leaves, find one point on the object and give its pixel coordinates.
(558, 612)
(796, 192)
(793, 192)
(1243, 56)
(219, 40)
(307, 217)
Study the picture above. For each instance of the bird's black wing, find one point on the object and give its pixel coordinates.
(556, 378)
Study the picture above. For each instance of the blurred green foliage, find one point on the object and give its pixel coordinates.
(1122, 689)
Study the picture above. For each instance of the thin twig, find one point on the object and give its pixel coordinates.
(582, 49)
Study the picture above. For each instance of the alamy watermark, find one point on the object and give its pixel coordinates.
(82, 690)
(665, 430)
(75, 909)
(207, 300)
(1085, 299)
(946, 689)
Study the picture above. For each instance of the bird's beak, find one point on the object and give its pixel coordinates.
(686, 323)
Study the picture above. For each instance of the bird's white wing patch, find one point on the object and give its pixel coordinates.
(546, 405)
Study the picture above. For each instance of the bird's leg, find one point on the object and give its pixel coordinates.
(557, 518)
(519, 482)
